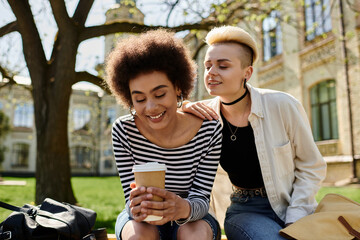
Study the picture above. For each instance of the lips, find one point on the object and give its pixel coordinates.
(213, 82)
(154, 117)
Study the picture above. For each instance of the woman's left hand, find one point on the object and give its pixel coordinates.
(172, 208)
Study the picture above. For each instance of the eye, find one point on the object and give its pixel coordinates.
(161, 95)
(223, 67)
(140, 100)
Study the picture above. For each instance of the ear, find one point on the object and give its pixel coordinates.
(248, 72)
(178, 91)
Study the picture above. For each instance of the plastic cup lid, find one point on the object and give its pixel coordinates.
(149, 167)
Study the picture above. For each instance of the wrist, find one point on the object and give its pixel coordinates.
(185, 209)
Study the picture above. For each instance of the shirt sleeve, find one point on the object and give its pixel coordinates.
(123, 158)
(199, 194)
(310, 166)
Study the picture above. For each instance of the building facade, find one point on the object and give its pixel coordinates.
(311, 51)
(90, 119)
(313, 55)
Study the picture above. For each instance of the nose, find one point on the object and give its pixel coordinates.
(212, 71)
(150, 105)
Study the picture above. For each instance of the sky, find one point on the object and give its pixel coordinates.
(90, 52)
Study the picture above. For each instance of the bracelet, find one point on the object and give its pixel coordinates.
(181, 222)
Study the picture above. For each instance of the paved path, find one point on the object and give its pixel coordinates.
(13, 183)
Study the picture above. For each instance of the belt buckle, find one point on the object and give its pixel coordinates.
(263, 192)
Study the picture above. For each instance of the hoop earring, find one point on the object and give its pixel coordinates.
(132, 111)
(179, 104)
(244, 82)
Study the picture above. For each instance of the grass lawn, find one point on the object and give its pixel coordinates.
(104, 195)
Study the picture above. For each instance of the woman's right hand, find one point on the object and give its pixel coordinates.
(137, 195)
(200, 110)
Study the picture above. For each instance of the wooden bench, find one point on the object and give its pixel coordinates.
(113, 237)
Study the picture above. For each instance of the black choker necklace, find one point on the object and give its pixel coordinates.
(237, 100)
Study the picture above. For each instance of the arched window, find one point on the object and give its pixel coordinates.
(81, 118)
(82, 157)
(20, 155)
(24, 115)
(323, 111)
(111, 116)
(317, 18)
(272, 44)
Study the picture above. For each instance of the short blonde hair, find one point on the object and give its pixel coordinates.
(232, 34)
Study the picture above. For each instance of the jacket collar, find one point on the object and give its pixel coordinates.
(256, 104)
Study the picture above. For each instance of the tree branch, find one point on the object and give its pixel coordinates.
(32, 47)
(88, 77)
(60, 14)
(8, 28)
(172, 6)
(82, 11)
(10, 77)
(115, 27)
(7, 75)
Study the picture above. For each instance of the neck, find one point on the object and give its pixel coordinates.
(238, 113)
(161, 133)
(236, 100)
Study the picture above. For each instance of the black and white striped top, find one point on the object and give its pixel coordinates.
(191, 168)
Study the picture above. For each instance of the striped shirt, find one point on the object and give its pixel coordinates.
(190, 169)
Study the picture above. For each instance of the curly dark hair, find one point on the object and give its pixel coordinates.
(155, 50)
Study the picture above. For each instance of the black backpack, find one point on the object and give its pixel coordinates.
(51, 220)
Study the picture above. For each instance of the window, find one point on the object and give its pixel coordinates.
(82, 157)
(109, 160)
(323, 111)
(24, 115)
(111, 116)
(81, 118)
(317, 18)
(20, 155)
(272, 45)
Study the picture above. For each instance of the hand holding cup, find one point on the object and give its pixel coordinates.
(146, 175)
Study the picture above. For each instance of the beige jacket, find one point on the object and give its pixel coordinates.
(291, 164)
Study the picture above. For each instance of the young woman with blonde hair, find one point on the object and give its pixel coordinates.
(268, 150)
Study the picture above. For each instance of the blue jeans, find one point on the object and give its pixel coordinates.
(167, 231)
(251, 218)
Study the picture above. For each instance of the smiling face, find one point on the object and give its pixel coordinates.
(224, 73)
(154, 98)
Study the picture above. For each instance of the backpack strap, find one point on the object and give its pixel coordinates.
(5, 235)
(10, 207)
(351, 230)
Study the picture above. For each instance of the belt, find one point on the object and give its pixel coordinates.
(251, 192)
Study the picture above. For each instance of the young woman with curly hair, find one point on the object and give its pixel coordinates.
(152, 73)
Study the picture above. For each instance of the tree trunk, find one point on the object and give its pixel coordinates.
(53, 172)
(51, 98)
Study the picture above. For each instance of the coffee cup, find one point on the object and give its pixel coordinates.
(150, 175)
